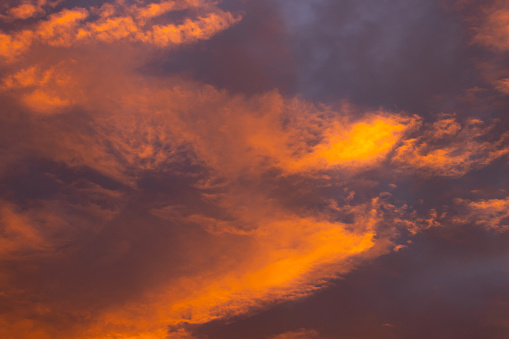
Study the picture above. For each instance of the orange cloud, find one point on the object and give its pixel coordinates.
(13, 45)
(189, 31)
(492, 214)
(45, 102)
(493, 29)
(447, 148)
(24, 11)
(283, 257)
(240, 246)
(73, 26)
(44, 92)
(255, 133)
(18, 233)
(28, 9)
(141, 126)
(356, 144)
(59, 29)
(157, 9)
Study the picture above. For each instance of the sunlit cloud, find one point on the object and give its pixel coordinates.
(28, 9)
(136, 125)
(117, 21)
(491, 214)
(449, 148)
(142, 204)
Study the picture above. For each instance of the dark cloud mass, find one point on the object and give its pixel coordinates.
(267, 169)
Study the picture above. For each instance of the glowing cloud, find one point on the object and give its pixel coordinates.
(28, 9)
(72, 26)
(142, 127)
(285, 259)
(356, 144)
(138, 205)
(449, 149)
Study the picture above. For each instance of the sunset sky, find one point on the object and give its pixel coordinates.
(254, 169)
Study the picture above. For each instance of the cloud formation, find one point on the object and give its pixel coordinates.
(492, 30)
(491, 214)
(116, 21)
(448, 148)
(144, 204)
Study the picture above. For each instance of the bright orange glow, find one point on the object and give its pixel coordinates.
(363, 142)
(355, 145)
(59, 29)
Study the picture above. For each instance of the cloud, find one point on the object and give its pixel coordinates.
(492, 30)
(24, 11)
(448, 148)
(356, 144)
(118, 131)
(74, 26)
(18, 233)
(139, 205)
(488, 30)
(28, 9)
(491, 214)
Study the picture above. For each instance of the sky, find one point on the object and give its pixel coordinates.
(259, 169)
